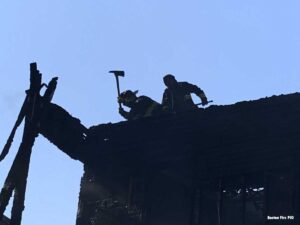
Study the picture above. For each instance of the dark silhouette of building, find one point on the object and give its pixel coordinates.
(223, 165)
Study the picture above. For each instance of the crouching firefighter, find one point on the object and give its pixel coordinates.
(140, 107)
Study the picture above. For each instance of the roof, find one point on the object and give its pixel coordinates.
(218, 141)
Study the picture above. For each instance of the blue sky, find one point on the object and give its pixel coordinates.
(234, 50)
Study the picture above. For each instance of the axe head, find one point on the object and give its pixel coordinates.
(118, 73)
(33, 66)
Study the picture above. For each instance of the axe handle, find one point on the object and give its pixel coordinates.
(207, 102)
(118, 89)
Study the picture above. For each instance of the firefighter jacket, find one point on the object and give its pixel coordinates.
(142, 107)
(179, 99)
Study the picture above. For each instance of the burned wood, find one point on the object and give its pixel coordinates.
(17, 176)
(47, 98)
(12, 134)
(64, 131)
(4, 221)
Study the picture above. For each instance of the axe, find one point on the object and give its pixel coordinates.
(118, 73)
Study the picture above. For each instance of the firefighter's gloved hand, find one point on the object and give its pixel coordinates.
(123, 112)
(203, 98)
(204, 101)
(120, 100)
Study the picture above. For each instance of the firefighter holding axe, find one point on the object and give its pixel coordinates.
(140, 107)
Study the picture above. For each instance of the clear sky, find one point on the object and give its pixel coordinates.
(234, 50)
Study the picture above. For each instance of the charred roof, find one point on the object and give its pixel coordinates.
(220, 139)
